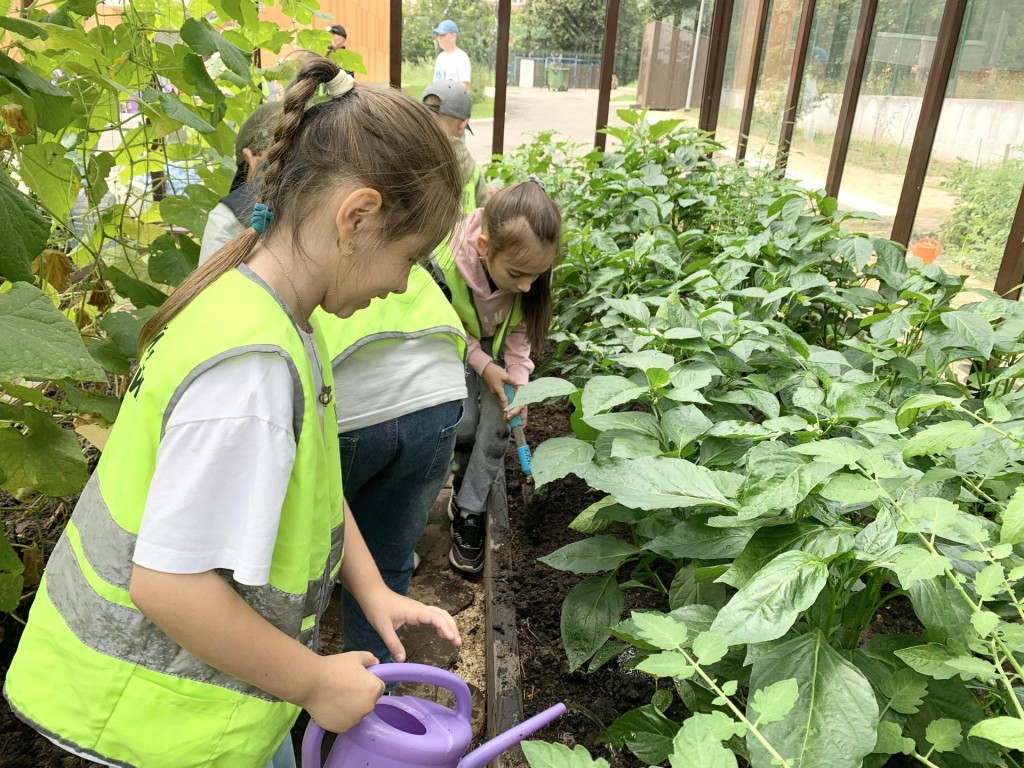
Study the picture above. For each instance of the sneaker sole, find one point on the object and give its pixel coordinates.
(464, 567)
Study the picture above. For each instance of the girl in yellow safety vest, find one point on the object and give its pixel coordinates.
(498, 273)
(176, 624)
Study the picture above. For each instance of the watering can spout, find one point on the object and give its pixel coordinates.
(486, 752)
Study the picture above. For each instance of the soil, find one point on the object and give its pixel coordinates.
(538, 528)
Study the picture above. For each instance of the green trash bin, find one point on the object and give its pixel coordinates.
(557, 78)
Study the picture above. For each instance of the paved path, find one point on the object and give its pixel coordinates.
(572, 113)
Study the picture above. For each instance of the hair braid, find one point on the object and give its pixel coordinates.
(296, 99)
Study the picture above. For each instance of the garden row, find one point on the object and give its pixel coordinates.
(792, 424)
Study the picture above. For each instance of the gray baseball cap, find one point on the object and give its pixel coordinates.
(454, 100)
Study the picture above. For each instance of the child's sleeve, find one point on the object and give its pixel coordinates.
(475, 355)
(517, 355)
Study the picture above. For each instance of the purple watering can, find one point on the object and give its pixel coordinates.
(409, 732)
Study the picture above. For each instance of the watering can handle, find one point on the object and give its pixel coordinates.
(424, 673)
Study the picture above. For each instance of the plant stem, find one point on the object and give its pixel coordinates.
(735, 710)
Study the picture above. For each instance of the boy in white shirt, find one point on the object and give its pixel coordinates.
(452, 62)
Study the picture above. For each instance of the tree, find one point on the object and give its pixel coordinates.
(571, 25)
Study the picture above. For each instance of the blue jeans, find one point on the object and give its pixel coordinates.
(285, 755)
(392, 473)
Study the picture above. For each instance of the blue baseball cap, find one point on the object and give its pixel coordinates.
(446, 27)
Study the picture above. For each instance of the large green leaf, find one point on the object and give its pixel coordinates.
(591, 555)
(699, 742)
(540, 754)
(656, 482)
(11, 575)
(557, 457)
(766, 607)
(941, 437)
(603, 393)
(39, 343)
(1005, 731)
(833, 723)
(590, 608)
(46, 460)
(141, 294)
(645, 731)
(970, 331)
(53, 178)
(25, 232)
(693, 538)
(779, 481)
(767, 543)
(684, 424)
(544, 388)
(201, 37)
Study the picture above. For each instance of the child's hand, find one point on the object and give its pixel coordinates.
(388, 611)
(494, 377)
(346, 692)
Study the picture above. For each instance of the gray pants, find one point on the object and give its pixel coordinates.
(480, 444)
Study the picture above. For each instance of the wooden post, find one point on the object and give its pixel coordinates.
(755, 68)
(714, 77)
(604, 94)
(1011, 270)
(796, 81)
(851, 95)
(501, 77)
(395, 44)
(928, 122)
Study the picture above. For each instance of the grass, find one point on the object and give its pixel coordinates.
(416, 77)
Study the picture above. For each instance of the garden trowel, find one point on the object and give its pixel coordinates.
(522, 449)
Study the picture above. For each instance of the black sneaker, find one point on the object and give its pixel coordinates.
(467, 552)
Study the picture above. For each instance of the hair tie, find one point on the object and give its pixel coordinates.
(536, 178)
(261, 217)
(340, 84)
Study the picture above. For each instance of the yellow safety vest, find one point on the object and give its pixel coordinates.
(421, 311)
(91, 671)
(469, 191)
(446, 274)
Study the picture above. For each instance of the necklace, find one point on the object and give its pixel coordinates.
(325, 391)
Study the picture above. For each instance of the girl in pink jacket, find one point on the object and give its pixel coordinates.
(500, 284)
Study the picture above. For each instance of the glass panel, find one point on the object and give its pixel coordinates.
(976, 169)
(476, 32)
(899, 57)
(737, 69)
(770, 100)
(829, 55)
(553, 76)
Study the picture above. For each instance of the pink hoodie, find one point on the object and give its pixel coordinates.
(491, 306)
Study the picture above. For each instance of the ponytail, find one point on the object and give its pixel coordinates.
(373, 136)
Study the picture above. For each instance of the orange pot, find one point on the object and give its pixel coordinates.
(926, 249)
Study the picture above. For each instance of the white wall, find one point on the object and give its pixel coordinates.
(978, 130)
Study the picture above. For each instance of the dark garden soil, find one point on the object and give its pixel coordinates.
(537, 529)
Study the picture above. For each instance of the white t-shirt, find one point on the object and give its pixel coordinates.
(395, 377)
(222, 469)
(222, 226)
(452, 66)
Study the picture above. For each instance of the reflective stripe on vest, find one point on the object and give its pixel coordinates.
(96, 674)
(461, 297)
(421, 311)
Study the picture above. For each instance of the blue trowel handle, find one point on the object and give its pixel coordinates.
(516, 425)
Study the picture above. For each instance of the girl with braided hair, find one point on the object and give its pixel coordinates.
(177, 620)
